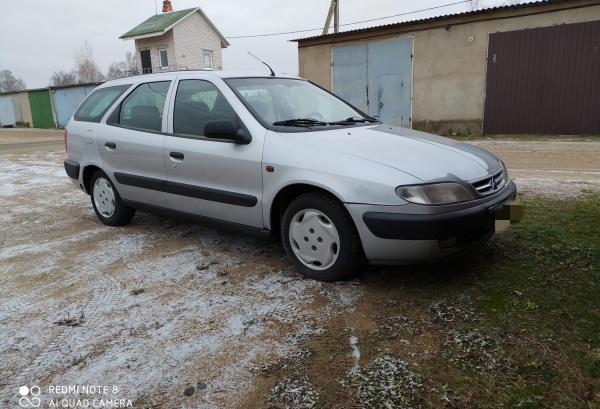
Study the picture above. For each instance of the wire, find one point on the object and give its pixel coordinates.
(352, 23)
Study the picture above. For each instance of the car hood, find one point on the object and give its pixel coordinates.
(425, 156)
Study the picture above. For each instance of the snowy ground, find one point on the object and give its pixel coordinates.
(172, 313)
(181, 303)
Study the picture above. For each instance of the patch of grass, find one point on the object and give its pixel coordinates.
(388, 382)
(293, 393)
(398, 325)
(515, 324)
(471, 350)
(137, 291)
(71, 321)
(454, 310)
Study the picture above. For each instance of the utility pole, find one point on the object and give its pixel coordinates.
(334, 11)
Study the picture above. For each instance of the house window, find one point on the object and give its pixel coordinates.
(207, 59)
(164, 58)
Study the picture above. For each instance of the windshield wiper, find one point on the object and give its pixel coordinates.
(304, 122)
(354, 120)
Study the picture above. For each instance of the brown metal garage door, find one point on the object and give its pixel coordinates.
(544, 81)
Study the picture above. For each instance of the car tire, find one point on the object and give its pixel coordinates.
(320, 238)
(107, 203)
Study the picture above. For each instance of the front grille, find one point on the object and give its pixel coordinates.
(489, 184)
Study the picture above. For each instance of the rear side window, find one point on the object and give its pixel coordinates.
(95, 106)
(143, 108)
(196, 103)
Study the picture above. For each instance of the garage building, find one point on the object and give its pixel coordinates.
(531, 68)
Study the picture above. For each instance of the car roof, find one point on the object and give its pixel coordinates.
(200, 74)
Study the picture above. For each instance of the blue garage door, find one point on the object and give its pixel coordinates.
(350, 73)
(376, 78)
(66, 100)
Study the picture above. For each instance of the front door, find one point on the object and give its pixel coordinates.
(146, 61)
(376, 78)
(131, 146)
(207, 177)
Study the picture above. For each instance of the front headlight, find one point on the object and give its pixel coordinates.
(436, 193)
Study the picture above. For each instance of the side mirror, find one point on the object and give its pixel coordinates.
(227, 130)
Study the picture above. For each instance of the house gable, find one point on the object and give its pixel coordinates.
(192, 36)
(161, 23)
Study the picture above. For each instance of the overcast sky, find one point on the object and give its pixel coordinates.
(38, 37)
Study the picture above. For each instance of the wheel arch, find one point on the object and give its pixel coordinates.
(285, 196)
(86, 176)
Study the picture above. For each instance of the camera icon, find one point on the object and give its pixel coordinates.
(29, 396)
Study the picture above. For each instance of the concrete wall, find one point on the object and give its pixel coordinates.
(192, 36)
(450, 60)
(154, 44)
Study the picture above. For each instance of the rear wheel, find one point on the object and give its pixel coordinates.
(319, 236)
(107, 202)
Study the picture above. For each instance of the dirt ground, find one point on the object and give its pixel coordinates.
(181, 314)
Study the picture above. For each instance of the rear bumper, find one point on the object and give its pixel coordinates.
(406, 234)
(72, 169)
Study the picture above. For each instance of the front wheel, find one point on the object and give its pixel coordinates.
(107, 202)
(320, 237)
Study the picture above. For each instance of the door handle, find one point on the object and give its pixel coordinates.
(178, 156)
(110, 146)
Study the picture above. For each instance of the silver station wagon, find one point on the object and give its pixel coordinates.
(279, 153)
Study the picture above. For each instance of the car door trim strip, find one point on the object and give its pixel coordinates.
(184, 189)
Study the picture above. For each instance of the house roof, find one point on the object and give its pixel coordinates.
(161, 23)
(408, 23)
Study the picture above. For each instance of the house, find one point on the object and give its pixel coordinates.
(526, 68)
(177, 40)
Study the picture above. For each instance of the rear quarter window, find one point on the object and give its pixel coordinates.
(95, 106)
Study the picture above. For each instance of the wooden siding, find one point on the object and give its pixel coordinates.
(192, 36)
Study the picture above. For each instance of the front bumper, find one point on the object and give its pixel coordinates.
(417, 233)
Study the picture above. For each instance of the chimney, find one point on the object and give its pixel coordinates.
(167, 8)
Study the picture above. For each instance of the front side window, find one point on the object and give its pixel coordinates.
(97, 103)
(196, 103)
(207, 57)
(143, 108)
(294, 103)
(164, 58)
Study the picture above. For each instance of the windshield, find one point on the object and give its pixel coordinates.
(295, 103)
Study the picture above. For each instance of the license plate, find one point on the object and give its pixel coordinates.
(509, 212)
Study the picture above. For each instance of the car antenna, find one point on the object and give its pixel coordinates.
(268, 66)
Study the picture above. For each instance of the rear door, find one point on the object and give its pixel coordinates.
(207, 177)
(131, 144)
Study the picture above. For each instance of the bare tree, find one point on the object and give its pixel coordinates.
(85, 64)
(116, 70)
(122, 68)
(131, 60)
(8, 82)
(63, 78)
